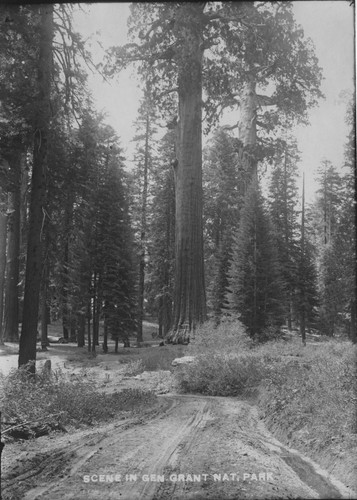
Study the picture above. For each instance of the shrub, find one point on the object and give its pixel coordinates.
(229, 335)
(222, 374)
(53, 399)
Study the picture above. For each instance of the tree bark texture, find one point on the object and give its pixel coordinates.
(34, 261)
(247, 126)
(3, 231)
(45, 286)
(11, 313)
(189, 288)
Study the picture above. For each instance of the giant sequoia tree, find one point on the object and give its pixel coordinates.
(191, 47)
(278, 77)
(170, 40)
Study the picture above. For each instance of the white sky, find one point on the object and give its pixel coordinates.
(329, 23)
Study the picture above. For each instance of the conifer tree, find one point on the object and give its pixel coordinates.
(336, 232)
(255, 285)
(161, 235)
(327, 213)
(283, 200)
(145, 127)
(224, 181)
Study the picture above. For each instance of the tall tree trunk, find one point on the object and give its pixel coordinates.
(353, 320)
(45, 287)
(81, 329)
(98, 312)
(11, 313)
(66, 322)
(247, 127)
(143, 234)
(189, 288)
(303, 295)
(44, 310)
(88, 326)
(3, 231)
(38, 191)
(65, 284)
(94, 310)
(105, 335)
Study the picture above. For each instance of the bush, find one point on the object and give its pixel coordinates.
(229, 335)
(222, 374)
(53, 399)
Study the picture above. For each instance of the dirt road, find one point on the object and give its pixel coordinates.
(191, 447)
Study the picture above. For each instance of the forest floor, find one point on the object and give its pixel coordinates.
(182, 447)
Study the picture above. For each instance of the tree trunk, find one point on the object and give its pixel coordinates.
(97, 314)
(66, 320)
(247, 126)
(81, 330)
(11, 314)
(38, 191)
(303, 294)
(94, 311)
(88, 326)
(45, 286)
(353, 320)
(105, 335)
(44, 316)
(189, 288)
(3, 232)
(143, 234)
(65, 308)
(73, 329)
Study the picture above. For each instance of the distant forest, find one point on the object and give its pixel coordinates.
(188, 233)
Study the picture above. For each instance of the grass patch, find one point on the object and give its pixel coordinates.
(54, 400)
(314, 395)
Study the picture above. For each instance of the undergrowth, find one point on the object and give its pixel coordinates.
(52, 399)
(306, 395)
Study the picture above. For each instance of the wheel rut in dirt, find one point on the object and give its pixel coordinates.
(197, 447)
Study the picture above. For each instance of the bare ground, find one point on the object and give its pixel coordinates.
(185, 447)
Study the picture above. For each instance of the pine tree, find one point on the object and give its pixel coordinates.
(327, 215)
(224, 181)
(255, 284)
(145, 127)
(283, 201)
(161, 235)
(306, 289)
(336, 231)
(118, 273)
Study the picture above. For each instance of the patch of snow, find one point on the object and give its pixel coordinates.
(183, 361)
